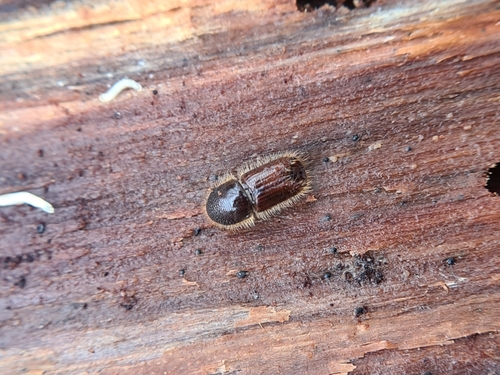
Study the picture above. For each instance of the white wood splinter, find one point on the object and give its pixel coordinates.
(118, 87)
(23, 197)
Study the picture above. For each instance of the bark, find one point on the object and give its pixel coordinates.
(389, 266)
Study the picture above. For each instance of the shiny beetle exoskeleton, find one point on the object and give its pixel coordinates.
(258, 191)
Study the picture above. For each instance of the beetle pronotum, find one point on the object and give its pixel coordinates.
(258, 190)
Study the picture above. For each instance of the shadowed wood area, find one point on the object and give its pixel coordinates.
(389, 266)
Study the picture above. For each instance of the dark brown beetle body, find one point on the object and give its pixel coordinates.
(258, 191)
(228, 204)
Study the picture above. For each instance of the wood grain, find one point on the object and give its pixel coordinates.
(402, 97)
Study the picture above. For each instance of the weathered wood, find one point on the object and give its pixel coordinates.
(403, 97)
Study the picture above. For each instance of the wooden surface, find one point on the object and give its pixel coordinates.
(403, 97)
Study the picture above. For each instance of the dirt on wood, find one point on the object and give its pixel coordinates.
(389, 266)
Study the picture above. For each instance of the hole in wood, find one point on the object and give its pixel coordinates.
(310, 5)
(493, 183)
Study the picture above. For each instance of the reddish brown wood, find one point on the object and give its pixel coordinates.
(402, 97)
